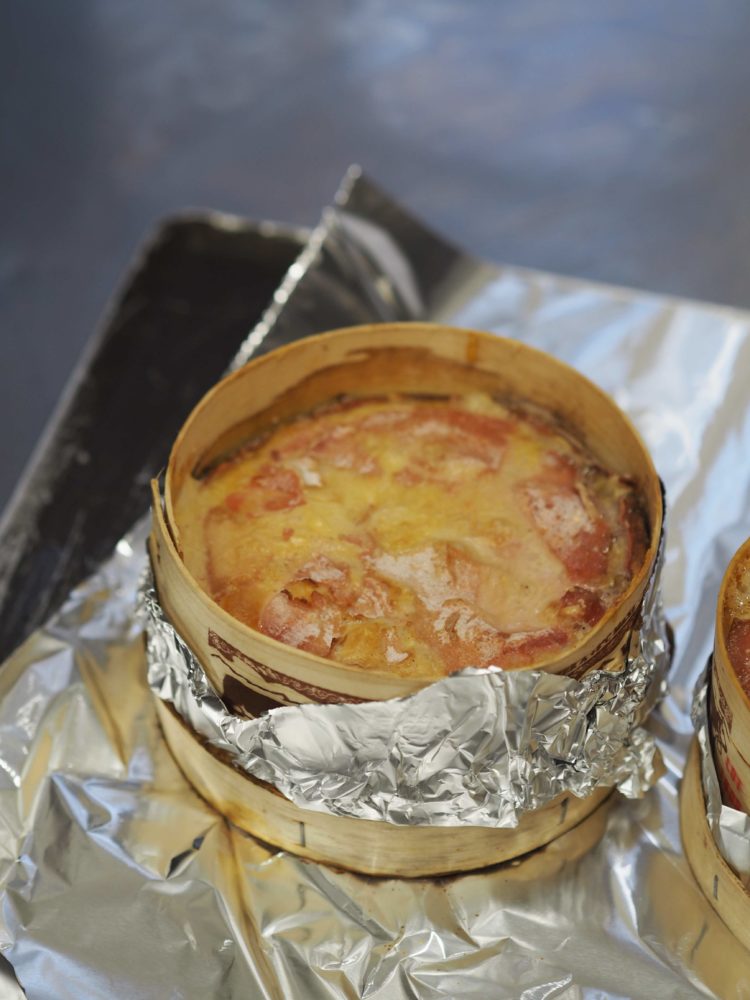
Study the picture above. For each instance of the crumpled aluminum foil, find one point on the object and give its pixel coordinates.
(730, 827)
(479, 748)
(117, 881)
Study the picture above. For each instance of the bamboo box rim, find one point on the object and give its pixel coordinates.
(474, 339)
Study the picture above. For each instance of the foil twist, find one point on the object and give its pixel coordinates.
(478, 748)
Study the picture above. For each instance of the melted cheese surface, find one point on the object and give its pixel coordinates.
(414, 535)
(737, 622)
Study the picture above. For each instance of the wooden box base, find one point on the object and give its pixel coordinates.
(367, 846)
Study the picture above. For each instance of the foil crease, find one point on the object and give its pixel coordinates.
(730, 827)
(479, 748)
(118, 881)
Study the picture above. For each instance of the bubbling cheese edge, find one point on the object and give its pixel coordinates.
(416, 536)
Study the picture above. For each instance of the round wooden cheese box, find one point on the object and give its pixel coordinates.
(252, 671)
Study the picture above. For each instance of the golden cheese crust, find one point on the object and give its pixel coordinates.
(415, 535)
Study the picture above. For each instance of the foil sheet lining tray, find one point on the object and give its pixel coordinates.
(118, 881)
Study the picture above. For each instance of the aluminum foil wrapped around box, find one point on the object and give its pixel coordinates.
(479, 748)
(118, 881)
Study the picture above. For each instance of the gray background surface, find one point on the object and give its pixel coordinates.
(608, 140)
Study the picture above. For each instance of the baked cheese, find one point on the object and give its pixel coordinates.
(737, 621)
(415, 535)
